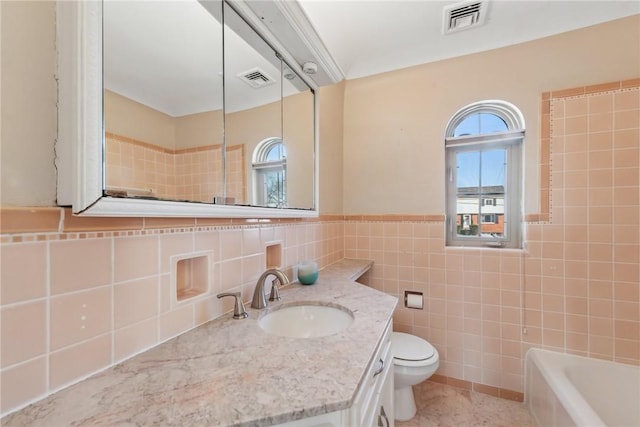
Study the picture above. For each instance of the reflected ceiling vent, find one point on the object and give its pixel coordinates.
(256, 78)
(465, 15)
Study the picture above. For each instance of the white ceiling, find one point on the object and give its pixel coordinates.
(151, 47)
(368, 37)
(163, 53)
(167, 55)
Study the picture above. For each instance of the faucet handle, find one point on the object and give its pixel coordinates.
(275, 294)
(239, 312)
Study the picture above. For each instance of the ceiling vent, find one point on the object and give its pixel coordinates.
(462, 16)
(256, 78)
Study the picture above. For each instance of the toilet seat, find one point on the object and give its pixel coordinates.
(410, 350)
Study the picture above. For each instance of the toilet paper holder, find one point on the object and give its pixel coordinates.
(413, 299)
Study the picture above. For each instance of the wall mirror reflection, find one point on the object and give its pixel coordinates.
(163, 99)
(183, 122)
(269, 130)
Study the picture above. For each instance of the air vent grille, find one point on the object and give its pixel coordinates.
(256, 78)
(462, 16)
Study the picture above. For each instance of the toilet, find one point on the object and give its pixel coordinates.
(414, 360)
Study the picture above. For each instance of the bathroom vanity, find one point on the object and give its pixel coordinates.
(232, 372)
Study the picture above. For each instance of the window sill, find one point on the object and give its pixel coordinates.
(484, 248)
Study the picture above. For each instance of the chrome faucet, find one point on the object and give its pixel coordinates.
(259, 300)
(239, 311)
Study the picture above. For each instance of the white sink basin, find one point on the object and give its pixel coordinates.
(306, 320)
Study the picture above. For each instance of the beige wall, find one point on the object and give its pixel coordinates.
(129, 118)
(264, 122)
(295, 129)
(297, 135)
(29, 97)
(330, 151)
(126, 117)
(197, 130)
(394, 122)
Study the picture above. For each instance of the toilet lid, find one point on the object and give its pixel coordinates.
(411, 348)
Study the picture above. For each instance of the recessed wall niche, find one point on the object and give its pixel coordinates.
(273, 255)
(190, 276)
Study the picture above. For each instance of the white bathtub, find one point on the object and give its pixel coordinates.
(566, 390)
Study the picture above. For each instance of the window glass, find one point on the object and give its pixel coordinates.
(480, 123)
(273, 191)
(483, 189)
(480, 190)
(270, 173)
(275, 152)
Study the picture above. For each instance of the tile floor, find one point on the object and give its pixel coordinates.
(443, 405)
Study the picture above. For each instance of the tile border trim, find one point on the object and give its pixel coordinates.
(545, 202)
(56, 220)
(395, 218)
(22, 224)
(160, 149)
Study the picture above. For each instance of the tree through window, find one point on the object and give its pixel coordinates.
(270, 173)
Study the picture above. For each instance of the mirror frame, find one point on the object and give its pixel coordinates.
(79, 148)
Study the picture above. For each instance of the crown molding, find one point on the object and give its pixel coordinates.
(284, 24)
(297, 18)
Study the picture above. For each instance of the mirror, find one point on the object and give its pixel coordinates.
(253, 113)
(270, 162)
(298, 134)
(167, 133)
(163, 100)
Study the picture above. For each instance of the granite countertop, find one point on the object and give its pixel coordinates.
(231, 372)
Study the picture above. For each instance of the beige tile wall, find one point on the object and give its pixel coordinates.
(80, 294)
(75, 303)
(589, 256)
(189, 174)
(472, 297)
(138, 165)
(199, 174)
(575, 288)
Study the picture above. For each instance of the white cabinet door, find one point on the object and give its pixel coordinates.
(385, 401)
(366, 411)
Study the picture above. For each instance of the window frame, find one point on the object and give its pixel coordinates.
(511, 141)
(493, 218)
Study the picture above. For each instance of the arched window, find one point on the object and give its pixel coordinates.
(269, 164)
(483, 144)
